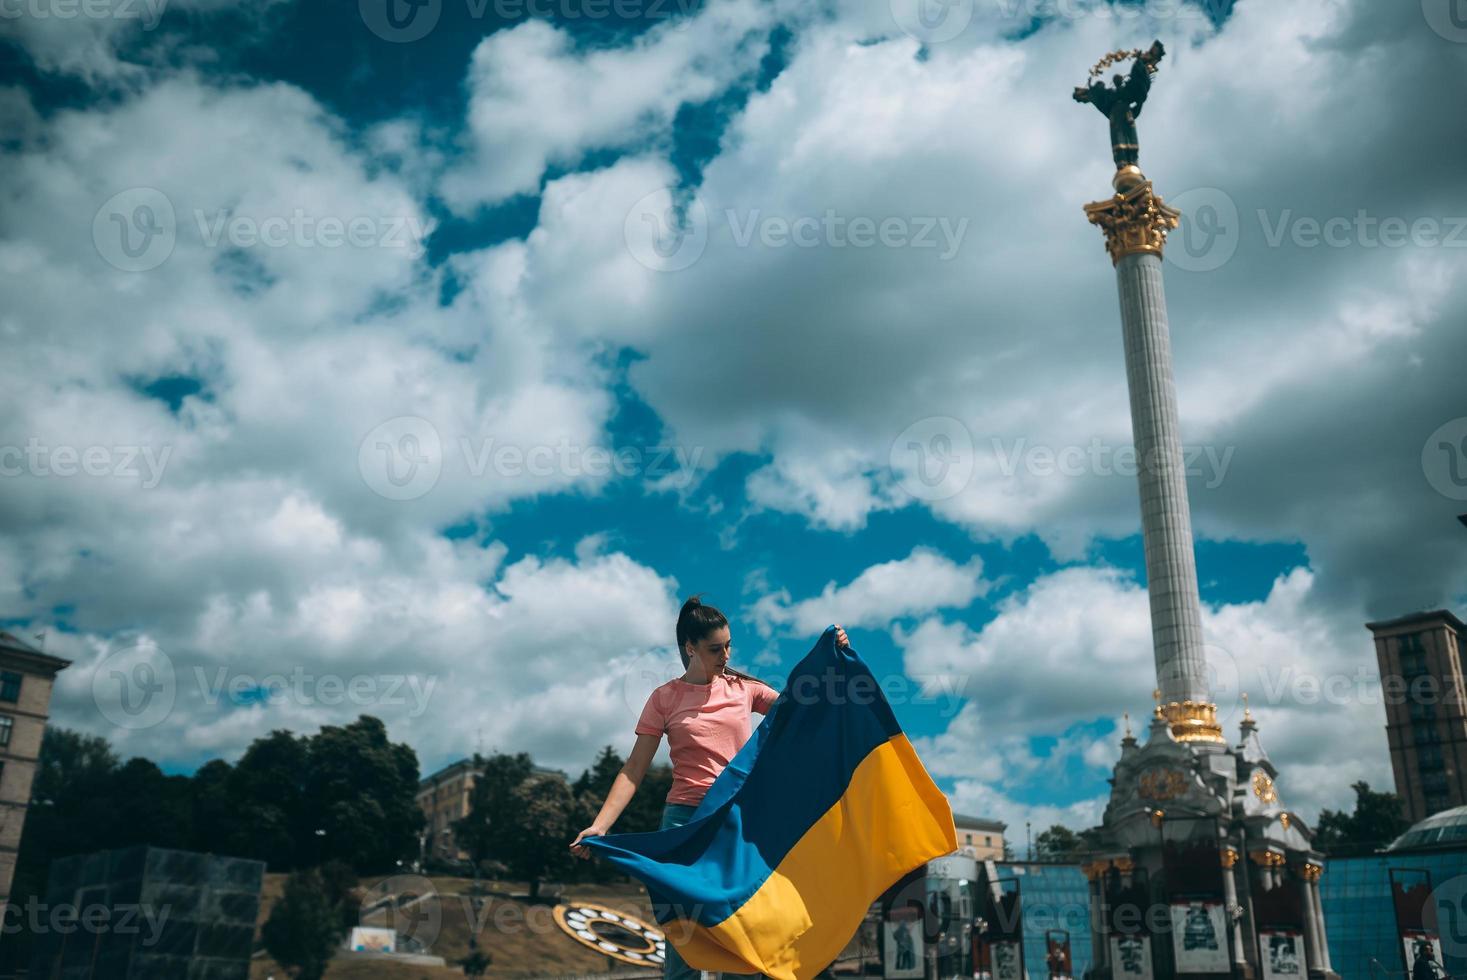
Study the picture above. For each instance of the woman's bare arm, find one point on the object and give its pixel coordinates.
(623, 788)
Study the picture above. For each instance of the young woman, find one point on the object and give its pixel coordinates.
(706, 716)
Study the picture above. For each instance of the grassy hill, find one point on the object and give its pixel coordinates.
(523, 939)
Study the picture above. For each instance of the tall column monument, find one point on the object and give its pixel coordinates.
(1136, 222)
(1199, 871)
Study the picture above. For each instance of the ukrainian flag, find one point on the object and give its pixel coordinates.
(821, 811)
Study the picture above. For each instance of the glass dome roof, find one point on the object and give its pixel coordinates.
(1444, 829)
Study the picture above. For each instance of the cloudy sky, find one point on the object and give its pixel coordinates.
(417, 359)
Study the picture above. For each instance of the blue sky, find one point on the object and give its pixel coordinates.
(637, 235)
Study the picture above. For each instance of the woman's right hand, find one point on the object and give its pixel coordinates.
(581, 850)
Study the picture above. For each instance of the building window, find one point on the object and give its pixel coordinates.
(6, 724)
(9, 686)
(988, 839)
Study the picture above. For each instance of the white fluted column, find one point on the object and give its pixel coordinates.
(1166, 522)
(1320, 929)
(1311, 925)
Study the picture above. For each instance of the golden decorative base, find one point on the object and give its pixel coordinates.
(1193, 721)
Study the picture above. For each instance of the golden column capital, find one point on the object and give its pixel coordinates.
(1266, 858)
(1135, 220)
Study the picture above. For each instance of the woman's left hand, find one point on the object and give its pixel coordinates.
(841, 640)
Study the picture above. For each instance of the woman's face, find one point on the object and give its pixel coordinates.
(712, 652)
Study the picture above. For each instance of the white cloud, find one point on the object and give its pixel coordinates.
(537, 100)
(88, 39)
(920, 583)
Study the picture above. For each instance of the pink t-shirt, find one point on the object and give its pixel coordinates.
(705, 724)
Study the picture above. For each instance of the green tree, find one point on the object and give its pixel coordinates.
(1376, 822)
(360, 789)
(266, 791)
(150, 807)
(545, 810)
(1060, 843)
(598, 779)
(1057, 843)
(484, 832)
(305, 927)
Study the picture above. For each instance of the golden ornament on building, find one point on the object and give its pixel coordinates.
(1263, 787)
(1161, 783)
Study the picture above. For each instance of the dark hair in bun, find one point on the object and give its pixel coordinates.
(696, 621)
